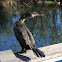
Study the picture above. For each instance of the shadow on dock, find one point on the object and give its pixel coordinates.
(23, 58)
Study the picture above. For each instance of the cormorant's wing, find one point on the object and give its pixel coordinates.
(24, 33)
(30, 36)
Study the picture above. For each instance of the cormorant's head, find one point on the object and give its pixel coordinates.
(34, 14)
(29, 15)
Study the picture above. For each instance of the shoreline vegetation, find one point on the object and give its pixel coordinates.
(29, 3)
(24, 5)
(8, 7)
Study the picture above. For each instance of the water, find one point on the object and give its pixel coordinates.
(46, 30)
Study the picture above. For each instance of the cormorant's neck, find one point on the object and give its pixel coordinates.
(22, 20)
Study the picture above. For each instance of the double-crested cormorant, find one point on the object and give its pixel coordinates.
(24, 35)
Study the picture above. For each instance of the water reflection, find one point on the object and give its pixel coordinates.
(46, 30)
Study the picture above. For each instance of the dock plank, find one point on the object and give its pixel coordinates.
(8, 56)
(51, 52)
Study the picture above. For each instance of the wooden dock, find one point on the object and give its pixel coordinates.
(53, 53)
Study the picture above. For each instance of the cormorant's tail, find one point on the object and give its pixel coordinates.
(38, 53)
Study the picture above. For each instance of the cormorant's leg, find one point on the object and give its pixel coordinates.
(20, 51)
(23, 51)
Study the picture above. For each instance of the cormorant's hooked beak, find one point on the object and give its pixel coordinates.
(34, 15)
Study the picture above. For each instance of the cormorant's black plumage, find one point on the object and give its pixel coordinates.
(26, 15)
(25, 38)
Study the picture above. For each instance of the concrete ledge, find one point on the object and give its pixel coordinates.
(7, 56)
(53, 53)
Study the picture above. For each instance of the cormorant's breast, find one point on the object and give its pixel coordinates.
(26, 34)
